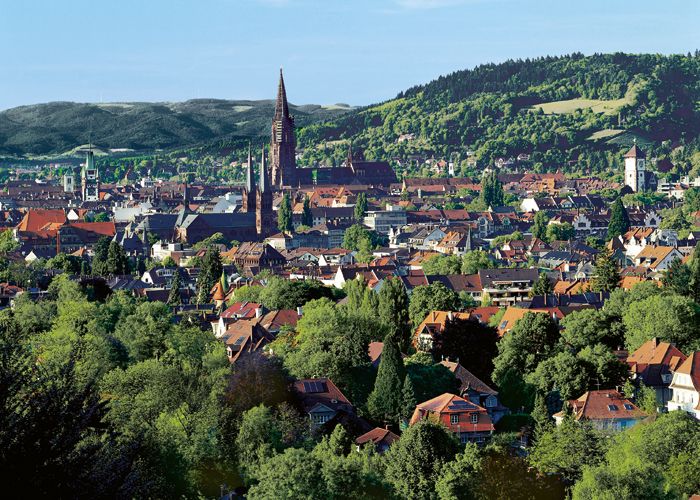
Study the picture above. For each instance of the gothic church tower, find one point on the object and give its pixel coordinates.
(265, 223)
(283, 143)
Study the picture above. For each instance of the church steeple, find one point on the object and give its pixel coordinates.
(282, 142)
(250, 180)
(281, 107)
(264, 182)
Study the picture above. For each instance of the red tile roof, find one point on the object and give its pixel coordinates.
(607, 404)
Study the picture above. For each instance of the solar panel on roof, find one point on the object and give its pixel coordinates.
(314, 386)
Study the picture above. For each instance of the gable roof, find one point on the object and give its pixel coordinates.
(377, 436)
(606, 404)
(468, 379)
(691, 366)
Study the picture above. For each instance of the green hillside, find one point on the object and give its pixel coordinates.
(58, 127)
(560, 110)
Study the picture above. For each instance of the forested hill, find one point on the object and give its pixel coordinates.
(557, 109)
(57, 127)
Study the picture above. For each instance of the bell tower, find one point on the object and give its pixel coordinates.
(283, 141)
(635, 169)
(264, 215)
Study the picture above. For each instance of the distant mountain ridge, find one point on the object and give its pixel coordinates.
(56, 127)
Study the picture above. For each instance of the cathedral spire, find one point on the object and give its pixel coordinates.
(281, 107)
(263, 173)
(250, 180)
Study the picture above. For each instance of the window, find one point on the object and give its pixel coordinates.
(475, 418)
(612, 407)
(454, 419)
(490, 402)
(629, 407)
(463, 438)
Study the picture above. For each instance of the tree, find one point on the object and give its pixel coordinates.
(409, 401)
(560, 232)
(117, 262)
(470, 342)
(491, 190)
(694, 281)
(619, 220)
(442, 265)
(284, 214)
(393, 310)
(360, 207)
(567, 448)
(542, 286)
(209, 274)
(100, 253)
(532, 340)
(588, 327)
(414, 462)
(307, 218)
(385, 402)
(607, 276)
(286, 294)
(640, 461)
(174, 298)
(8, 243)
(457, 477)
(677, 278)
(433, 297)
(475, 260)
(539, 226)
(670, 318)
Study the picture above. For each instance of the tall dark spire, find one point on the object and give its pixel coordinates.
(281, 107)
(250, 180)
(263, 173)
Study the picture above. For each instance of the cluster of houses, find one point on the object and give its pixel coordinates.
(163, 222)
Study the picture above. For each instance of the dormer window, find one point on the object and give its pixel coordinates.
(612, 407)
(629, 407)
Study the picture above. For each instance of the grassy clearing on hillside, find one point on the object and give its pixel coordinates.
(628, 138)
(571, 105)
(604, 134)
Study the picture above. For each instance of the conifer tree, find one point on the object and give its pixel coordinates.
(542, 286)
(284, 214)
(607, 276)
(409, 398)
(492, 190)
(307, 218)
(360, 207)
(117, 262)
(385, 402)
(619, 220)
(209, 274)
(540, 415)
(393, 310)
(539, 228)
(174, 298)
(694, 284)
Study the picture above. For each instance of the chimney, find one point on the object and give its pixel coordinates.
(258, 312)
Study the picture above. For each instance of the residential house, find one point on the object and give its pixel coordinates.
(380, 439)
(433, 325)
(657, 258)
(507, 286)
(468, 421)
(605, 409)
(321, 400)
(685, 386)
(476, 391)
(653, 363)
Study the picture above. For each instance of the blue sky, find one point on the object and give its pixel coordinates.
(353, 51)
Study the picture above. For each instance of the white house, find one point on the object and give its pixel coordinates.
(685, 386)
